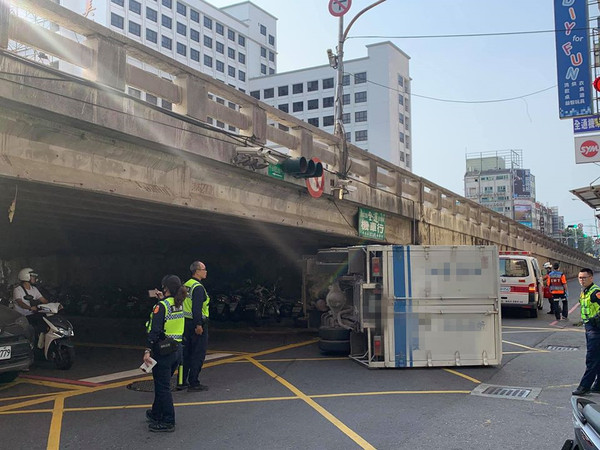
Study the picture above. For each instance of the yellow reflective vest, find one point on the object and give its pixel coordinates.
(191, 284)
(174, 319)
(589, 309)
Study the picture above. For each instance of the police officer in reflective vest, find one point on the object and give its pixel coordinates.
(557, 282)
(590, 315)
(165, 334)
(195, 310)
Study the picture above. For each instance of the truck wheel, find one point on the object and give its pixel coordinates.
(533, 312)
(334, 334)
(342, 347)
(7, 377)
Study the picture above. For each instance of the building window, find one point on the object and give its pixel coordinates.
(271, 40)
(194, 35)
(220, 48)
(255, 94)
(312, 104)
(181, 49)
(166, 21)
(328, 83)
(312, 86)
(242, 75)
(166, 42)
(297, 88)
(348, 136)
(263, 69)
(407, 161)
(119, 2)
(194, 54)
(263, 30)
(406, 124)
(401, 136)
(263, 52)
(208, 22)
(231, 52)
(360, 97)
(135, 6)
(181, 9)
(271, 56)
(269, 93)
(167, 104)
(400, 117)
(327, 121)
(360, 116)
(151, 14)
(345, 80)
(194, 16)
(135, 28)
(346, 118)
(181, 29)
(167, 3)
(282, 90)
(220, 66)
(284, 107)
(151, 99)
(345, 99)
(271, 71)
(314, 121)
(220, 29)
(116, 21)
(241, 40)
(207, 41)
(231, 71)
(134, 92)
(231, 35)
(298, 106)
(360, 77)
(241, 58)
(208, 61)
(502, 189)
(360, 135)
(151, 35)
(327, 102)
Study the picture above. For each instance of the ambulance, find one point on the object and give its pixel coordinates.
(521, 282)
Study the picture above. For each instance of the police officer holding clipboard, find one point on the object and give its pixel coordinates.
(165, 333)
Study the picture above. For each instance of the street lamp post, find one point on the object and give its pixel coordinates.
(337, 62)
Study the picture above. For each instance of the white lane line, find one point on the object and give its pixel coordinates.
(138, 372)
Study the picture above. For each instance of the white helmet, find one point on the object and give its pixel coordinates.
(25, 274)
(547, 265)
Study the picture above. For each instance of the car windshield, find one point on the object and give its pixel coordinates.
(513, 268)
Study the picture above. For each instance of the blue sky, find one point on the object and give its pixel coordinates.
(463, 69)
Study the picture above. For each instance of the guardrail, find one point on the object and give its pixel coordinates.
(105, 57)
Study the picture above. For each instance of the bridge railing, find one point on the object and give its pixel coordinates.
(116, 61)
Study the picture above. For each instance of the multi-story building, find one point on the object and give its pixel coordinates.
(376, 100)
(498, 181)
(231, 44)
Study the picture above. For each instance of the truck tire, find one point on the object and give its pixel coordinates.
(340, 347)
(533, 312)
(7, 377)
(334, 334)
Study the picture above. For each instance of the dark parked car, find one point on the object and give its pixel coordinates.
(16, 344)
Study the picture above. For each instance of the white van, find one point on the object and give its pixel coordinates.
(521, 282)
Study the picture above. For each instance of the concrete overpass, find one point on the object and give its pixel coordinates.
(90, 167)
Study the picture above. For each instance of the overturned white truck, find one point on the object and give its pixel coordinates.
(409, 306)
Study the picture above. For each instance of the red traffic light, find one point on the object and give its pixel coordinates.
(596, 83)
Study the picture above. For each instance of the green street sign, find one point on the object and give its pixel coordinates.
(371, 224)
(275, 171)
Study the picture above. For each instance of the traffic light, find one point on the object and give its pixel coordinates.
(572, 226)
(302, 167)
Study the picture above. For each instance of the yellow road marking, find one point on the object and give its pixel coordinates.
(466, 377)
(21, 397)
(345, 358)
(10, 385)
(56, 424)
(25, 411)
(359, 394)
(524, 346)
(330, 417)
(54, 384)
(30, 402)
(526, 352)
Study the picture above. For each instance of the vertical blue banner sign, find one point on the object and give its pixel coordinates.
(572, 58)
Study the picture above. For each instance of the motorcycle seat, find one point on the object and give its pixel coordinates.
(591, 412)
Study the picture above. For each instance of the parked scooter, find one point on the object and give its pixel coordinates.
(586, 421)
(56, 341)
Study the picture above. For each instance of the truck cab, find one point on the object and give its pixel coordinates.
(521, 282)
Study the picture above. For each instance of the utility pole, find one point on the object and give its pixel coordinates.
(337, 62)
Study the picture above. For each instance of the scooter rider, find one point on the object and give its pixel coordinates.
(557, 282)
(25, 294)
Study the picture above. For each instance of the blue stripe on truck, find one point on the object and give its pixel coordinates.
(399, 305)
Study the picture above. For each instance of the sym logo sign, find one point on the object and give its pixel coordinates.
(587, 149)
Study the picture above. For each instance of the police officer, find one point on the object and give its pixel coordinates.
(166, 321)
(590, 309)
(195, 310)
(557, 282)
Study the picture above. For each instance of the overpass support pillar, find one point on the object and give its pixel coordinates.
(4, 24)
(194, 97)
(109, 64)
